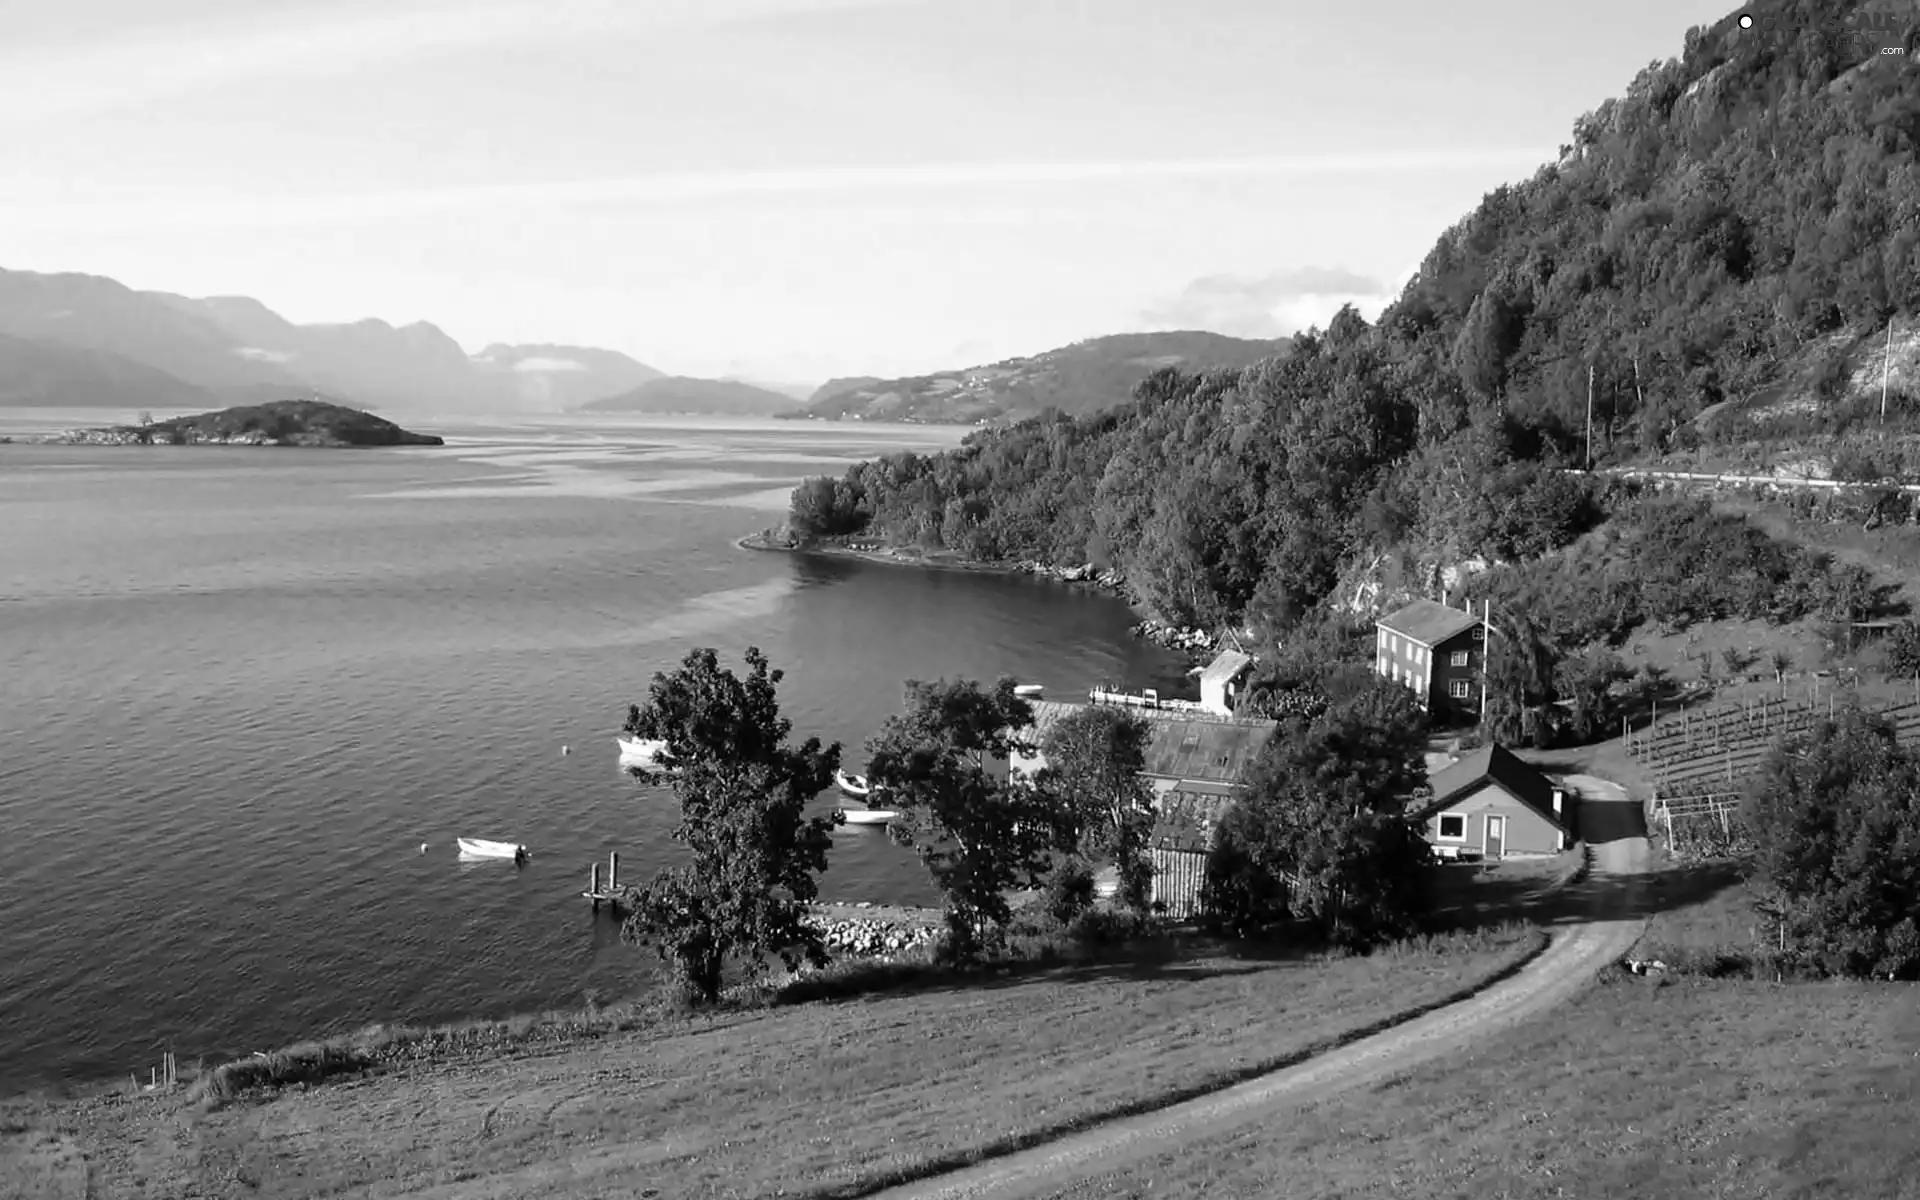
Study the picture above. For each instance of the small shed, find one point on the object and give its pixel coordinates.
(1490, 804)
(1185, 829)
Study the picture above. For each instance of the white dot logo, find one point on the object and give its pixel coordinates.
(1746, 21)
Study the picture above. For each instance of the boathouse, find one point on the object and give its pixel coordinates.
(1492, 805)
(1186, 828)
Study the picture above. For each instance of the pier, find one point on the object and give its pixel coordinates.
(610, 894)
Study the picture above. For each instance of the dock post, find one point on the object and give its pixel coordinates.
(613, 870)
(593, 886)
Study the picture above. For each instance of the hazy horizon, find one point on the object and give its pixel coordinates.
(788, 190)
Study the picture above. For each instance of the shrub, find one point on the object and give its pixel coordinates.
(1110, 927)
(1070, 891)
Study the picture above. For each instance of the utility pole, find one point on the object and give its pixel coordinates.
(1486, 652)
(1590, 416)
(1886, 363)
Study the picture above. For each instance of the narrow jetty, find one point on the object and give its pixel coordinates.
(610, 894)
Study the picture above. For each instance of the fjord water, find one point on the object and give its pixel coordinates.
(239, 687)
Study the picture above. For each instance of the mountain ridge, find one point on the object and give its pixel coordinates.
(1082, 378)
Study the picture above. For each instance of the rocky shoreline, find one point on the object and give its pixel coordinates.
(1151, 628)
(867, 930)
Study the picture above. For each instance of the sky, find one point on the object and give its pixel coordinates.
(788, 190)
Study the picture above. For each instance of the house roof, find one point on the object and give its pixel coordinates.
(1185, 819)
(1183, 744)
(1490, 764)
(1224, 668)
(1428, 622)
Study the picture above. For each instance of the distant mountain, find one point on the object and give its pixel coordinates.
(413, 366)
(88, 312)
(839, 387)
(704, 397)
(801, 392)
(549, 378)
(1085, 377)
(53, 375)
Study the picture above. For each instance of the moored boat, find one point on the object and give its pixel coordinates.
(868, 816)
(1030, 690)
(852, 785)
(642, 752)
(483, 848)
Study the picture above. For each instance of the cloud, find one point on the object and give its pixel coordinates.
(1273, 305)
(222, 211)
(50, 81)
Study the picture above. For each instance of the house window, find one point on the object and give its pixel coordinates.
(1457, 689)
(1453, 827)
(1459, 658)
(1383, 664)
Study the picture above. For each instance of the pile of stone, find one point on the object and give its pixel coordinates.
(1175, 637)
(1110, 579)
(872, 937)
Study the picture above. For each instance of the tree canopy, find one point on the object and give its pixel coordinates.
(1835, 819)
(1744, 209)
(1323, 835)
(743, 791)
(981, 829)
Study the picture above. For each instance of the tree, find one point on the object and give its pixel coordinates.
(743, 792)
(1835, 819)
(1586, 679)
(1324, 825)
(1092, 781)
(981, 829)
(1781, 661)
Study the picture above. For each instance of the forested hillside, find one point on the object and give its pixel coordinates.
(1745, 208)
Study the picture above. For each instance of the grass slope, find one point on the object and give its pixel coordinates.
(832, 1096)
(1690, 1089)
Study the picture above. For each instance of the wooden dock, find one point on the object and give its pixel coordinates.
(610, 894)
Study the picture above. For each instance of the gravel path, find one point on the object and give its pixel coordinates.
(1580, 946)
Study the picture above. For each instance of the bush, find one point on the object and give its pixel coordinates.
(1110, 927)
(1070, 891)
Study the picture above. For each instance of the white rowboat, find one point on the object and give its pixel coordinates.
(482, 848)
(1030, 689)
(868, 816)
(852, 785)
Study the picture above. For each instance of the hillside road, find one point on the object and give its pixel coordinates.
(1594, 924)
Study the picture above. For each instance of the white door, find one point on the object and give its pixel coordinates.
(1496, 840)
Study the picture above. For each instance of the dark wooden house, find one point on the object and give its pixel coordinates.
(1439, 653)
(1185, 829)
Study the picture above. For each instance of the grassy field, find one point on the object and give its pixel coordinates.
(824, 1095)
(1702, 1088)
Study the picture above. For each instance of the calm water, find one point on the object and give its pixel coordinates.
(239, 688)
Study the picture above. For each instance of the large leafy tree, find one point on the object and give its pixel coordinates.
(754, 857)
(1322, 834)
(1835, 819)
(1093, 781)
(981, 829)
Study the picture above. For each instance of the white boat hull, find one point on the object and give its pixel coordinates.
(851, 785)
(482, 848)
(643, 753)
(1029, 690)
(868, 816)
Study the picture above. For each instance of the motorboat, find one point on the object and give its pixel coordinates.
(642, 752)
(853, 785)
(482, 848)
(1029, 690)
(868, 816)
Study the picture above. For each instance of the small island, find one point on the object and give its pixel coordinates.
(275, 423)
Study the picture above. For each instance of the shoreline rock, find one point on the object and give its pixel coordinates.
(1107, 579)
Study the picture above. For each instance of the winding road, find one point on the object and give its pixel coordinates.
(1595, 922)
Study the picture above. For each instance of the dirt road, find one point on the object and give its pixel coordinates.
(1597, 925)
